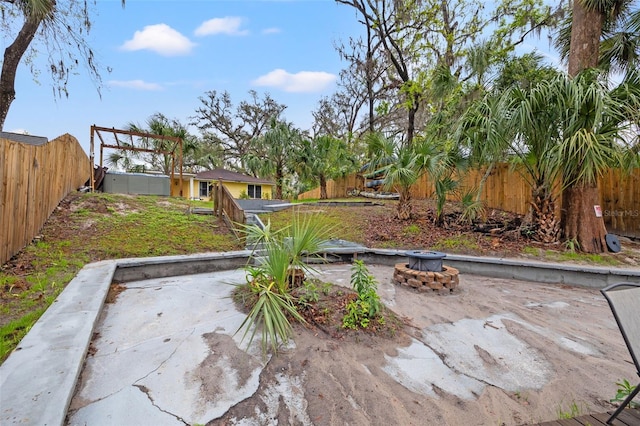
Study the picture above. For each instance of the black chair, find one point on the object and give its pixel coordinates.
(624, 301)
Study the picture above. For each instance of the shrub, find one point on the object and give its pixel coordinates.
(367, 305)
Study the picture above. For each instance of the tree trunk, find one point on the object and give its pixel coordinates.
(12, 57)
(279, 179)
(323, 188)
(411, 126)
(578, 219)
(544, 217)
(586, 29)
(583, 225)
(404, 208)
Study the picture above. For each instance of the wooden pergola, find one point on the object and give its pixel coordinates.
(177, 145)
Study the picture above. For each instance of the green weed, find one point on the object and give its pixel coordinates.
(624, 390)
(411, 230)
(151, 226)
(573, 411)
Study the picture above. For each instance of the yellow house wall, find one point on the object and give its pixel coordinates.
(235, 188)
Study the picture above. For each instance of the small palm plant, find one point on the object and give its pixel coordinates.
(270, 280)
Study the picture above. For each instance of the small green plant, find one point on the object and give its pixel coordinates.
(411, 230)
(459, 242)
(472, 208)
(243, 195)
(270, 312)
(573, 411)
(357, 315)
(309, 294)
(572, 245)
(367, 305)
(624, 390)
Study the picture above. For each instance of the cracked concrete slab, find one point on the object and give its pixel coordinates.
(153, 342)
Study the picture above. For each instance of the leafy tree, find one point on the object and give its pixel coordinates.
(427, 40)
(364, 83)
(272, 154)
(230, 129)
(396, 33)
(59, 28)
(323, 158)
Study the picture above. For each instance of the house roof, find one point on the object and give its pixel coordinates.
(28, 139)
(229, 176)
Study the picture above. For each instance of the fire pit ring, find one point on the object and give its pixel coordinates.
(420, 260)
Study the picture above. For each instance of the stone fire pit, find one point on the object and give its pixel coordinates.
(425, 272)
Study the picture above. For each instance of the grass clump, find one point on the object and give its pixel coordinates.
(457, 243)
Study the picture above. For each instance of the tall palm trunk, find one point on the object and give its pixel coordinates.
(583, 225)
(323, 188)
(578, 221)
(279, 183)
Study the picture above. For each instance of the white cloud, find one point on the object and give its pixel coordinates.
(272, 30)
(135, 84)
(229, 25)
(160, 38)
(301, 82)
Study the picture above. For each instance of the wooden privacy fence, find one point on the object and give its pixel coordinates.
(506, 189)
(34, 178)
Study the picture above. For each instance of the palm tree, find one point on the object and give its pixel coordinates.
(563, 134)
(324, 157)
(597, 129)
(403, 164)
(600, 31)
(272, 154)
(159, 124)
(614, 36)
(522, 126)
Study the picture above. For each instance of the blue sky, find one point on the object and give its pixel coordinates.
(165, 54)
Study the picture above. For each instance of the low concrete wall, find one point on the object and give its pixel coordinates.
(258, 205)
(519, 269)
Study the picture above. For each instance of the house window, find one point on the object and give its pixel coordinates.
(254, 191)
(204, 189)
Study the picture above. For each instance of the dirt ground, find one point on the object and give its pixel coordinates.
(496, 352)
